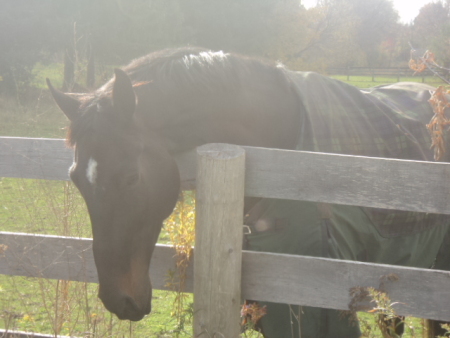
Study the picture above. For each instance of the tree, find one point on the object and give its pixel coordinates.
(336, 27)
(367, 24)
(377, 25)
(25, 27)
(337, 33)
(431, 30)
(106, 31)
(233, 25)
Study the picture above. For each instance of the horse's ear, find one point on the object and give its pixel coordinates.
(66, 103)
(123, 97)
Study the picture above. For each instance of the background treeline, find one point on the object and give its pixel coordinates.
(83, 34)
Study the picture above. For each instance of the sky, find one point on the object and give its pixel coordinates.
(407, 9)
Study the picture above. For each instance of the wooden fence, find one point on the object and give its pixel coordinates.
(387, 72)
(309, 281)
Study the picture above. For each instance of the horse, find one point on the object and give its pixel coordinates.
(127, 133)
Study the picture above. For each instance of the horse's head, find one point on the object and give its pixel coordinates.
(130, 186)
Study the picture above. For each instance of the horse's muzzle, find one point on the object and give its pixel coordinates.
(131, 311)
(125, 307)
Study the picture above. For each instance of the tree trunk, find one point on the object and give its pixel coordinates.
(90, 73)
(69, 68)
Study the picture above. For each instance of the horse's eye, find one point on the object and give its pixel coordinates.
(132, 179)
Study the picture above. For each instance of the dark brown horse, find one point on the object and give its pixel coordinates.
(127, 133)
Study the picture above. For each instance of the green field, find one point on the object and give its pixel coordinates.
(49, 207)
(366, 81)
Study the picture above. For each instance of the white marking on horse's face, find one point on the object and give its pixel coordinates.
(91, 171)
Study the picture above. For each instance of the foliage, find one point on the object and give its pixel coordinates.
(234, 25)
(431, 30)
(335, 33)
(24, 28)
(365, 25)
(180, 227)
(439, 123)
(447, 328)
(383, 320)
(251, 313)
(377, 24)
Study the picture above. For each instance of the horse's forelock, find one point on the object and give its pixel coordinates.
(85, 123)
(78, 129)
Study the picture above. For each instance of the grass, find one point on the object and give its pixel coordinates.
(366, 81)
(72, 309)
(38, 117)
(51, 207)
(60, 307)
(52, 71)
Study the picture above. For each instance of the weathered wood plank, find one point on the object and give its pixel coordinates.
(218, 241)
(69, 258)
(351, 180)
(342, 179)
(322, 282)
(34, 158)
(23, 334)
(280, 278)
(46, 256)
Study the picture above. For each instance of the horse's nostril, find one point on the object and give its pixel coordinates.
(130, 303)
(132, 311)
(126, 307)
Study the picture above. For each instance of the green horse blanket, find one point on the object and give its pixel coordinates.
(386, 121)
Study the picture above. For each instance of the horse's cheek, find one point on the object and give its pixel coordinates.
(163, 189)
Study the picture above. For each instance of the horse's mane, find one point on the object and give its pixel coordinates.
(190, 68)
(197, 68)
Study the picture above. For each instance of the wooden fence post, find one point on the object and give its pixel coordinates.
(218, 245)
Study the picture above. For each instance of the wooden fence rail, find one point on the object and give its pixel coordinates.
(309, 281)
(387, 72)
(298, 175)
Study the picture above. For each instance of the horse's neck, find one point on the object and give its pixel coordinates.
(262, 117)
